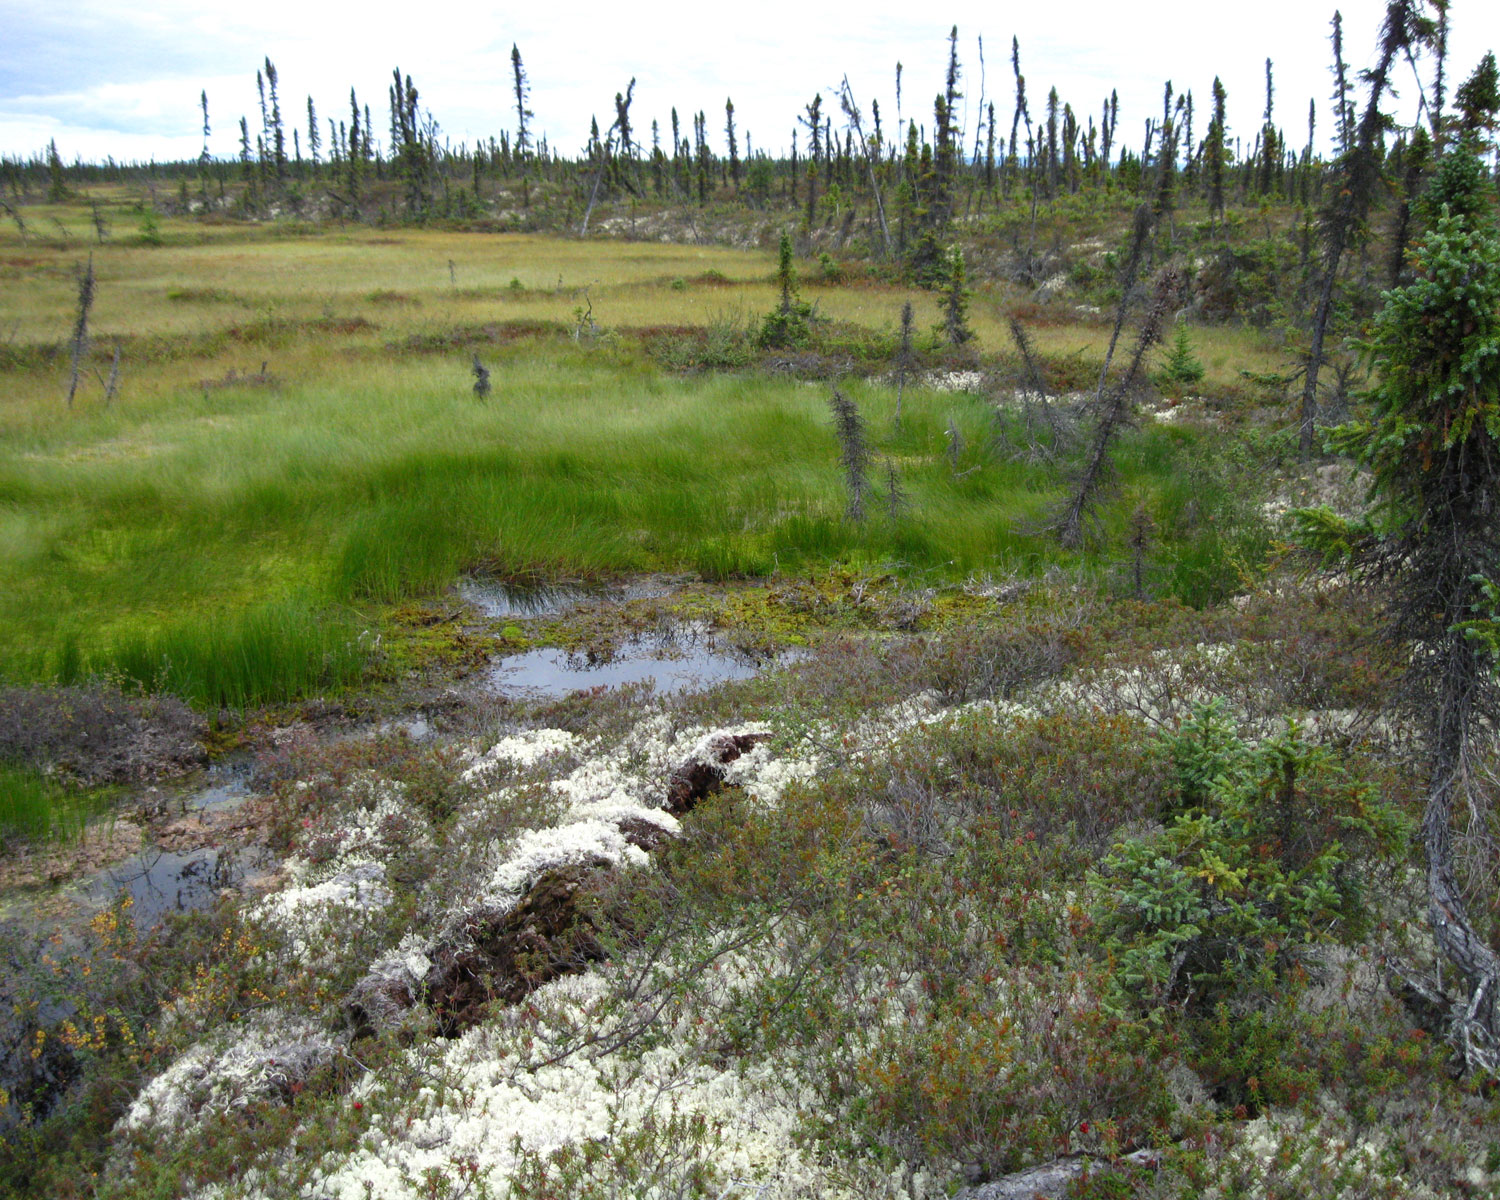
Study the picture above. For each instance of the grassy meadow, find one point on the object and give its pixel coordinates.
(296, 445)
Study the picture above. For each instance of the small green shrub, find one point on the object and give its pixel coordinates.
(1182, 366)
(150, 229)
(1263, 861)
(786, 326)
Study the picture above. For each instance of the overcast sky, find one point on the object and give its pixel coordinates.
(104, 78)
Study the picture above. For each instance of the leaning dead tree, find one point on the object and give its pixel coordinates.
(1115, 410)
(1342, 222)
(620, 128)
(871, 157)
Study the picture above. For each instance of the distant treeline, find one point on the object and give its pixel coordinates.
(911, 176)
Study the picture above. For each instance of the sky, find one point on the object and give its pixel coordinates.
(107, 79)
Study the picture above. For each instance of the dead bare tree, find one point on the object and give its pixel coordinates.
(111, 385)
(79, 344)
(1114, 414)
(903, 359)
(621, 127)
(1353, 191)
(851, 114)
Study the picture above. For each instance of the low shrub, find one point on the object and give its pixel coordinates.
(1261, 862)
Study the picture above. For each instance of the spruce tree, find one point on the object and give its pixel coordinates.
(1215, 152)
(353, 154)
(854, 451)
(677, 150)
(905, 358)
(263, 141)
(734, 146)
(1270, 144)
(1343, 104)
(658, 161)
(314, 142)
(247, 164)
(1477, 100)
(703, 156)
(947, 136)
(524, 114)
(814, 122)
(1432, 446)
(1012, 162)
(956, 300)
(1051, 150)
(57, 184)
(278, 131)
(203, 156)
(989, 152)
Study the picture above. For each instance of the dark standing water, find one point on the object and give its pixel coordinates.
(161, 882)
(502, 602)
(679, 657)
(686, 659)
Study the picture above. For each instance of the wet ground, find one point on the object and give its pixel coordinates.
(685, 658)
(196, 857)
(182, 850)
(673, 655)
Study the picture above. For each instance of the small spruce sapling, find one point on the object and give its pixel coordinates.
(787, 325)
(854, 451)
(956, 301)
(150, 228)
(1182, 366)
(896, 500)
(481, 379)
(1142, 529)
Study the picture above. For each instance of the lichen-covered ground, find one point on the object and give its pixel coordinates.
(989, 879)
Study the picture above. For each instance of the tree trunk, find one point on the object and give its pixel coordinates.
(1476, 1028)
(1315, 355)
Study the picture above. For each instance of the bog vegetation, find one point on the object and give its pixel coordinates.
(1113, 816)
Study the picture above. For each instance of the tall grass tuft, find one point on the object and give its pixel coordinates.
(34, 808)
(269, 654)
